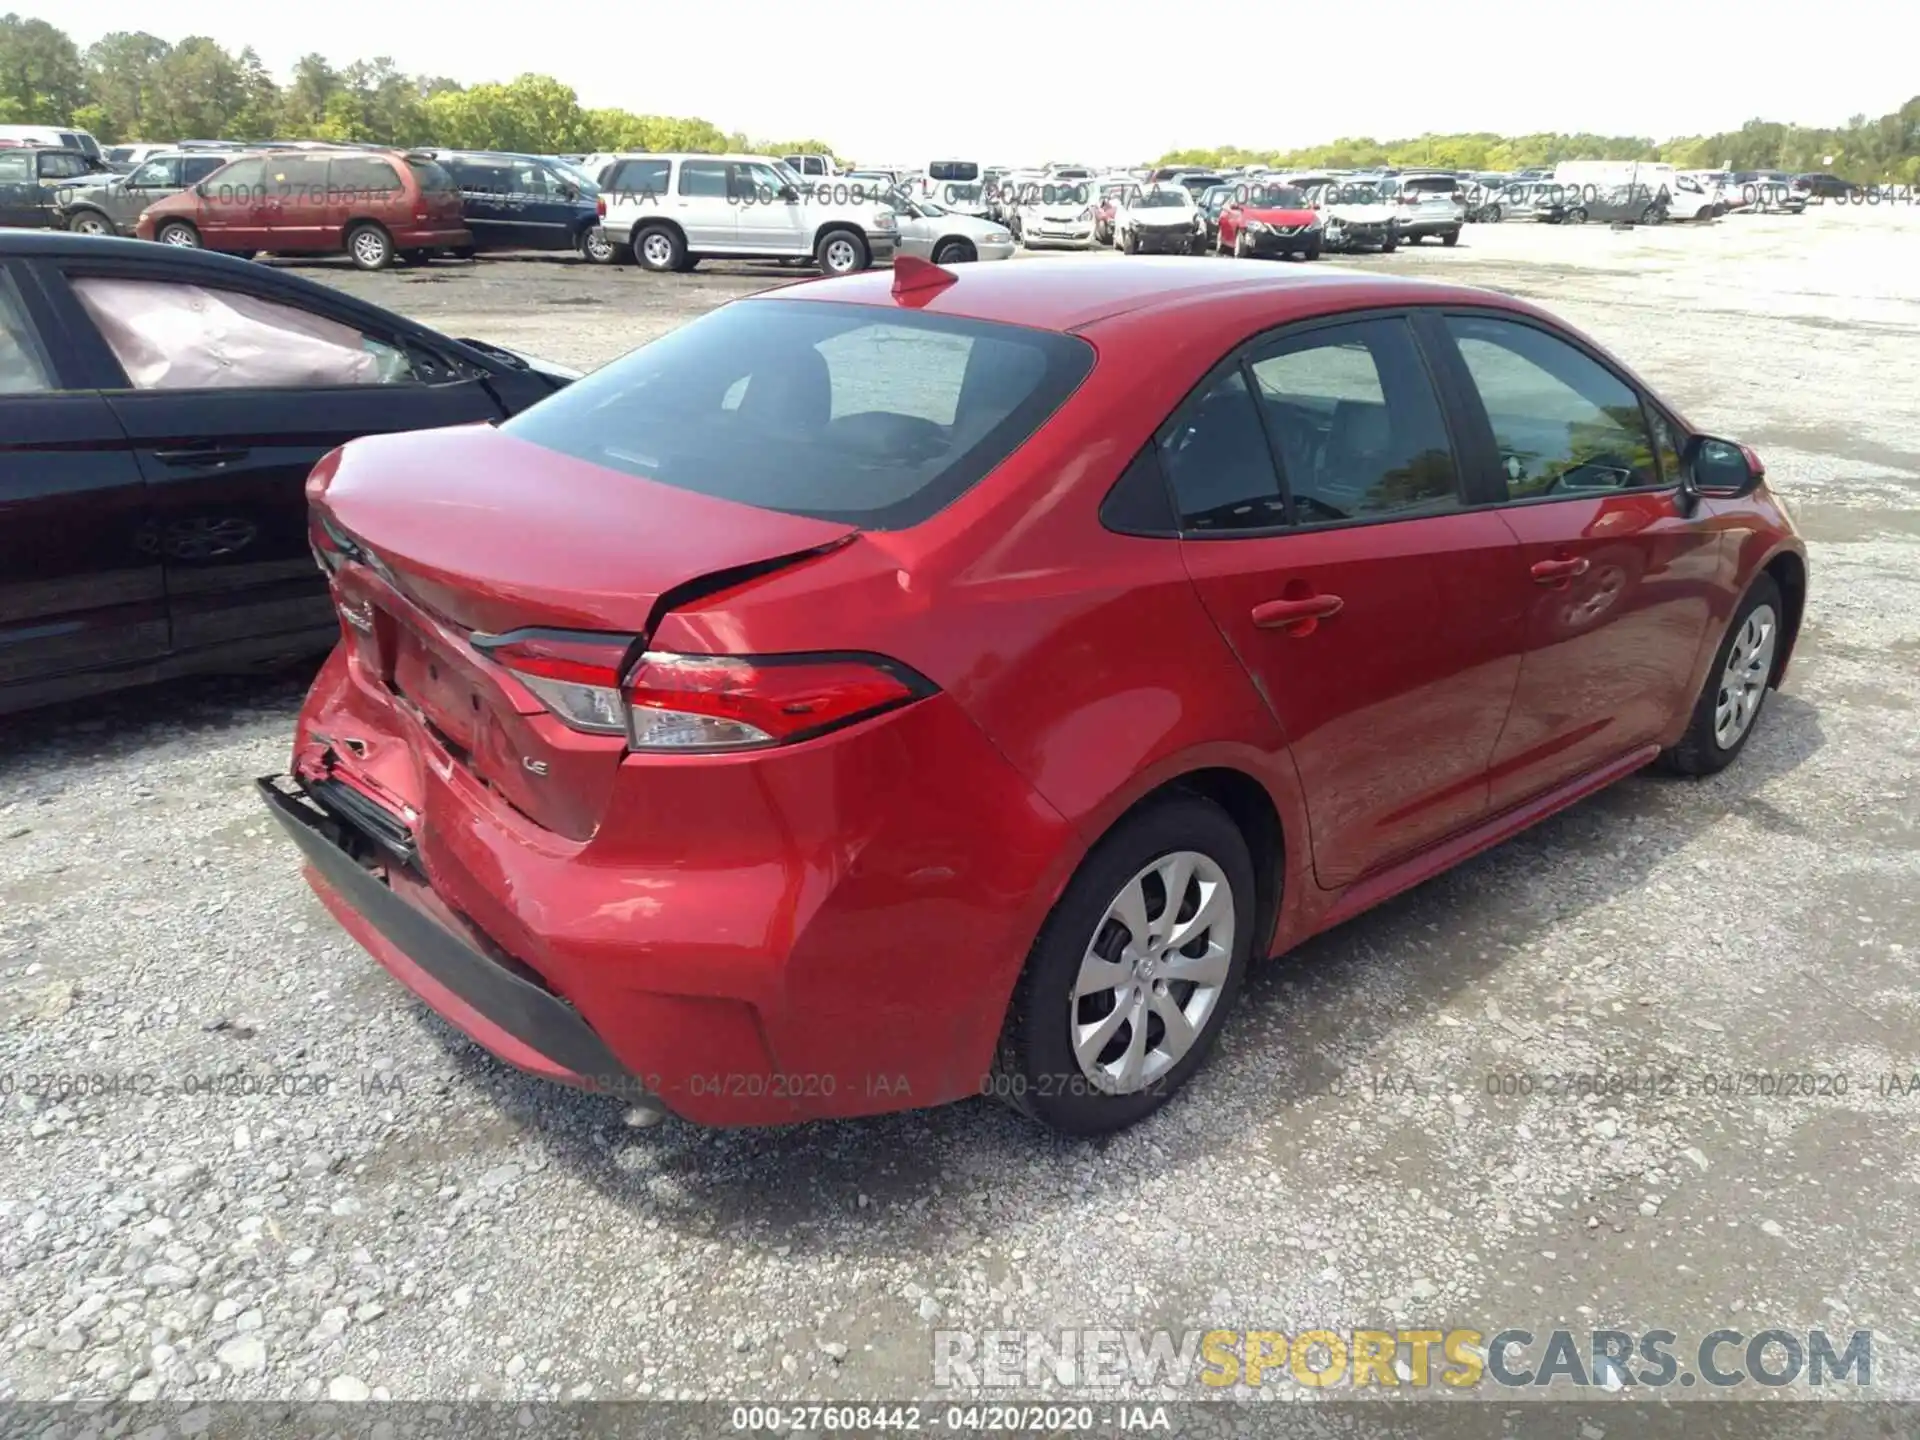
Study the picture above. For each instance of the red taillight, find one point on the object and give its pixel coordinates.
(696, 703)
(708, 702)
(600, 206)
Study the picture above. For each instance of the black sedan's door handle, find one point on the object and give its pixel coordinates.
(199, 457)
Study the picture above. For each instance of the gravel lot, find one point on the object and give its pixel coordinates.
(374, 1206)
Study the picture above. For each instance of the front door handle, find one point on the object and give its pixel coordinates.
(1557, 572)
(199, 457)
(1281, 614)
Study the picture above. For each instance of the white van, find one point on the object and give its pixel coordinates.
(957, 185)
(61, 137)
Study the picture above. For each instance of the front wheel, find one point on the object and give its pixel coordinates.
(179, 234)
(1736, 688)
(841, 252)
(1312, 252)
(1577, 215)
(955, 252)
(1241, 248)
(90, 222)
(1133, 974)
(1493, 215)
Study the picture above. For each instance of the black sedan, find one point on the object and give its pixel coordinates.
(159, 412)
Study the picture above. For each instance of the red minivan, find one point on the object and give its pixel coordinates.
(372, 204)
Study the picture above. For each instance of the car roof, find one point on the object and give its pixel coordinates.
(1073, 292)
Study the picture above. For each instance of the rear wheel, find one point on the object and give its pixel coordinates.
(1577, 215)
(370, 247)
(179, 234)
(1452, 237)
(1493, 215)
(1133, 974)
(1736, 688)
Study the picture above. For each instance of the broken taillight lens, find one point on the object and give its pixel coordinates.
(698, 703)
(715, 702)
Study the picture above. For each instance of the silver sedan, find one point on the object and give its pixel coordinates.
(933, 232)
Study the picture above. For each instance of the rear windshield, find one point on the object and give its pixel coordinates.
(1431, 182)
(960, 171)
(868, 416)
(431, 175)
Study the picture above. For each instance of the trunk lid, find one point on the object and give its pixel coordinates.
(466, 530)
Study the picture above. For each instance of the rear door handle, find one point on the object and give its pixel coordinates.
(1278, 614)
(1552, 572)
(199, 457)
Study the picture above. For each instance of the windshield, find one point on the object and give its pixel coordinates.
(877, 418)
(1164, 200)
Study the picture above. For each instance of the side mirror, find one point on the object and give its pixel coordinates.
(788, 192)
(1719, 468)
(201, 190)
(569, 191)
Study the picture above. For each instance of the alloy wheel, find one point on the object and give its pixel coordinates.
(840, 256)
(1153, 972)
(1743, 683)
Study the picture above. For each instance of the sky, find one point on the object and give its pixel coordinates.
(1114, 81)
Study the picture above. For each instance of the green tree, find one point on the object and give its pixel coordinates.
(198, 90)
(120, 84)
(41, 78)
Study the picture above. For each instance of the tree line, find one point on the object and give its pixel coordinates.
(1866, 150)
(131, 86)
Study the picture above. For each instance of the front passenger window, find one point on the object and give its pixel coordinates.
(1564, 423)
(170, 336)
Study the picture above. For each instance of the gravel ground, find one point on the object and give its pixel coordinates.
(299, 1183)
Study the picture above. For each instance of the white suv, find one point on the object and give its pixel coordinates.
(1430, 203)
(674, 211)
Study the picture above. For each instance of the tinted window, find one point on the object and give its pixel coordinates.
(120, 154)
(703, 177)
(366, 174)
(956, 171)
(1359, 430)
(238, 180)
(1216, 456)
(640, 177)
(23, 364)
(432, 177)
(1563, 422)
(1431, 184)
(874, 417)
(295, 179)
(62, 167)
(196, 168)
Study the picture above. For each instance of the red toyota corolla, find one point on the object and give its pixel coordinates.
(1269, 220)
(893, 689)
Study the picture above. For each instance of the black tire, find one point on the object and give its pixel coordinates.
(1452, 237)
(178, 233)
(1312, 252)
(463, 252)
(597, 248)
(842, 251)
(1035, 1070)
(1700, 751)
(90, 222)
(955, 252)
(369, 246)
(416, 257)
(1577, 215)
(1493, 215)
(659, 248)
(1130, 245)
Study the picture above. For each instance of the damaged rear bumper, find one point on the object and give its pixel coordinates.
(346, 845)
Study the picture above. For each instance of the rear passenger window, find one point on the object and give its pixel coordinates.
(1216, 457)
(704, 177)
(639, 177)
(362, 175)
(1360, 433)
(1564, 423)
